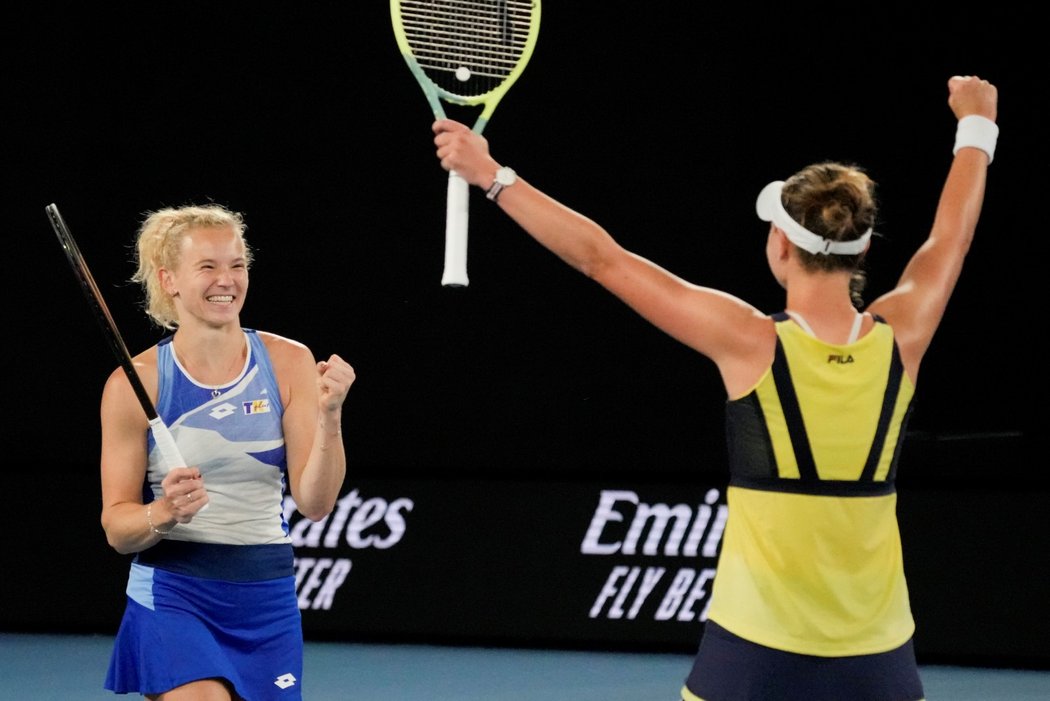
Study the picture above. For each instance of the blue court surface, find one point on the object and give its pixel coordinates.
(36, 667)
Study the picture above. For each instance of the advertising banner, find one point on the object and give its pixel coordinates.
(558, 563)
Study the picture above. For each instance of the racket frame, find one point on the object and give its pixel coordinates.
(161, 434)
(458, 199)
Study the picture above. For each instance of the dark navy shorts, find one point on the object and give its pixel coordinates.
(729, 668)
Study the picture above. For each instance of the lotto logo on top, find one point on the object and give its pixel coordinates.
(256, 406)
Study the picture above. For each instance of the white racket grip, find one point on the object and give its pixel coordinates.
(169, 452)
(456, 221)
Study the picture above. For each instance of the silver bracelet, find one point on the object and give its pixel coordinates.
(978, 132)
(149, 520)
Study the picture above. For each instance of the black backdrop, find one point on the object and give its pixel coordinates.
(661, 120)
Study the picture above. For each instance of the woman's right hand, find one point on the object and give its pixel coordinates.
(184, 493)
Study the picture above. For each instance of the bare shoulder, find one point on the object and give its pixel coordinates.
(750, 354)
(118, 390)
(293, 363)
(145, 364)
(285, 352)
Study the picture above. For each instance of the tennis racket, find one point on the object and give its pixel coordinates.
(165, 441)
(464, 52)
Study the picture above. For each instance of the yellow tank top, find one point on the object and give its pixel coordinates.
(811, 557)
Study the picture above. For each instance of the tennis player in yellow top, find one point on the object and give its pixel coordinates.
(810, 599)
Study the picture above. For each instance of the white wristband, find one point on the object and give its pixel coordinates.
(978, 132)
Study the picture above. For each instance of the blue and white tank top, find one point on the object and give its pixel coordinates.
(234, 434)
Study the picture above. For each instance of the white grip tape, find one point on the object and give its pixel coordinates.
(456, 221)
(169, 452)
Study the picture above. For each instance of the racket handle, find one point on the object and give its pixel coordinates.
(169, 452)
(457, 217)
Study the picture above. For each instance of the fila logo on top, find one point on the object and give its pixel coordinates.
(840, 359)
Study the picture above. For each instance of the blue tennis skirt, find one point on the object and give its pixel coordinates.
(729, 668)
(180, 627)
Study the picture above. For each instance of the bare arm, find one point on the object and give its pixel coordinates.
(916, 305)
(312, 424)
(711, 322)
(125, 519)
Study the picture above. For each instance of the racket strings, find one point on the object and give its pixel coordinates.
(467, 47)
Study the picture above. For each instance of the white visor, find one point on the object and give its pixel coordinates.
(771, 208)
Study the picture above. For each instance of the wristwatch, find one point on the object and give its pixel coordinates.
(505, 177)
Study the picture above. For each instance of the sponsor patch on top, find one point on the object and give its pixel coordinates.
(256, 406)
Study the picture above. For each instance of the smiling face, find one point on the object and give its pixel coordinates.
(210, 281)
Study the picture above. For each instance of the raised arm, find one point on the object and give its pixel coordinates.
(916, 305)
(312, 423)
(711, 322)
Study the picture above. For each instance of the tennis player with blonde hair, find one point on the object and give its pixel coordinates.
(211, 611)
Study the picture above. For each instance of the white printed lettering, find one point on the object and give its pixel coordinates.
(604, 514)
